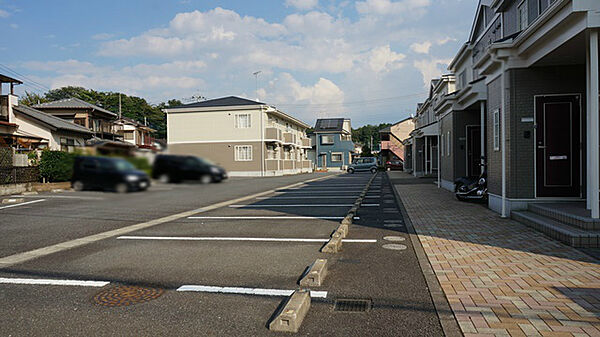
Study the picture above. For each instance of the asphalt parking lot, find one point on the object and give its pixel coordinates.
(220, 270)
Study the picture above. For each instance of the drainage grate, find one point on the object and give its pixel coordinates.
(352, 305)
(120, 296)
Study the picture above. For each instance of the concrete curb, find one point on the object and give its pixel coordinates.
(442, 307)
(333, 246)
(291, 316)
(315, 275)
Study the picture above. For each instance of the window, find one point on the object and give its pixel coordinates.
(243, 153)
(128, 135)
(346, 138)
(496, 126)
(523, 19)
(462, 80)
(242, 121)
(448, 144)
(326, 139)
(336, 157)
(67, 144)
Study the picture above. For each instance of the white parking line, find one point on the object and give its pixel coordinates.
(248, 291)
(59, 197)
(188, 238)
(326, 191)
(23, 203)
(270, 217)
(327, 197)
(51, 282)
(302, 205)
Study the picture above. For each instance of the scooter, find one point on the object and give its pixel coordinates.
(470, 188)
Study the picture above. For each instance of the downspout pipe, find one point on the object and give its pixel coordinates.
(503, 136)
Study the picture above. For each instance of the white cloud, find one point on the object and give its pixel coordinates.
(4, 14)
(102, 36)
(14, 26)
(302, 4)
(388, 7)
(383, 59)
(431, 68)
(421, 48)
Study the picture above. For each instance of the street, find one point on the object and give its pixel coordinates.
(211, 260)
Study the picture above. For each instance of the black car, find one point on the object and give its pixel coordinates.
(107, 174)
(173, 169)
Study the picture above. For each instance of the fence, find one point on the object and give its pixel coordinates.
(19, 175)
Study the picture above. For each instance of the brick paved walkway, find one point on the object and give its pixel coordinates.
(500, 277)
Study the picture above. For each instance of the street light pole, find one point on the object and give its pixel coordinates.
(256, 73)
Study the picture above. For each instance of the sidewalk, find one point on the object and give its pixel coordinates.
(501, 278)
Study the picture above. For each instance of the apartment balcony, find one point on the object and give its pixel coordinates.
(289, 138)
(306, 143)
(273, 134)
(493, 34)
(4, 103)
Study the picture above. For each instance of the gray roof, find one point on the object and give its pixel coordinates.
(72, 103)
(329, 124)
(54, 122)
(6, 79)
(219, 102)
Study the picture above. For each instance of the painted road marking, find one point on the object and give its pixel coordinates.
(328, 197)
(325, 192)
(270, 217)
(59, 197)
(50, 282)
(187, 238)
(36, 253)
(248, 291)
(23, 203)
(302, 205)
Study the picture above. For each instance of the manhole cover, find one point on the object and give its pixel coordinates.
(394, 238)
(352, 305)
(394, 246)
(119, 296)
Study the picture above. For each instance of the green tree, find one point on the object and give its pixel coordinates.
(367, 133)
(31, 98)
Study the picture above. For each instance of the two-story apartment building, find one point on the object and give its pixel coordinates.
(530, 71)
(248, 138)
(333, 147)
(101, 122)
(391, 140)
(23, 128)
(423, 142)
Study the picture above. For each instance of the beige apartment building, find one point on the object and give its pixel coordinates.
(247, 138)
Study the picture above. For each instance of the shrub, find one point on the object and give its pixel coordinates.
(141, 164)
(57, 165)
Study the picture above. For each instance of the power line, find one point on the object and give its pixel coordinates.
(371, 101)
(16, 73)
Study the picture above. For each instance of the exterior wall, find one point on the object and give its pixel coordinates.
(222, 154)
(211, 126)
(40, 130)
(463, 119)
(525, 84)
(494, 158)
(408, 161)
(339, 146)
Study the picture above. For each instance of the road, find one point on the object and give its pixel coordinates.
(209, 239)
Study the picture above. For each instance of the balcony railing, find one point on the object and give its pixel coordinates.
(289, 137)
(306, 142)
(493, 34)
(273, 134)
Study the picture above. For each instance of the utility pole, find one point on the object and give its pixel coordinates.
(256, 73)
(120, 114)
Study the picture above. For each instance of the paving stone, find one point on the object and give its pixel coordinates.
(500, 277)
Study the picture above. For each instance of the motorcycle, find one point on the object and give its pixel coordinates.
(472, 188)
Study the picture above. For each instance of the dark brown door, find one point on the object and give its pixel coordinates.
(558, 138)
(473, 150)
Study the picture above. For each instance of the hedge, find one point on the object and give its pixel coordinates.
(57, 166)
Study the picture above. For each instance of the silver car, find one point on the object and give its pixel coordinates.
(363, 165)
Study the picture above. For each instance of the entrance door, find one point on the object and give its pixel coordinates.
(558, 138)
(473, 150)
(324, 161)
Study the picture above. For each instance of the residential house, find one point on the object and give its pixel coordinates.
(391, 140)
(248, 138)
(100, 121)
(333, 147)
(530, 71)
(24, 128)
(135, 133)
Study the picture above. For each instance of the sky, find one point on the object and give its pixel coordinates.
(368, 60)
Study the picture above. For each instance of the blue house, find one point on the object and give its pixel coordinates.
(333, 146)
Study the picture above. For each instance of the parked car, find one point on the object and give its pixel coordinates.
(104, 173)
(173, 169)
(363, 164)
(394, 165)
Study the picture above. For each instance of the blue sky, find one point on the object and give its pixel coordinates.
(368, 60)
